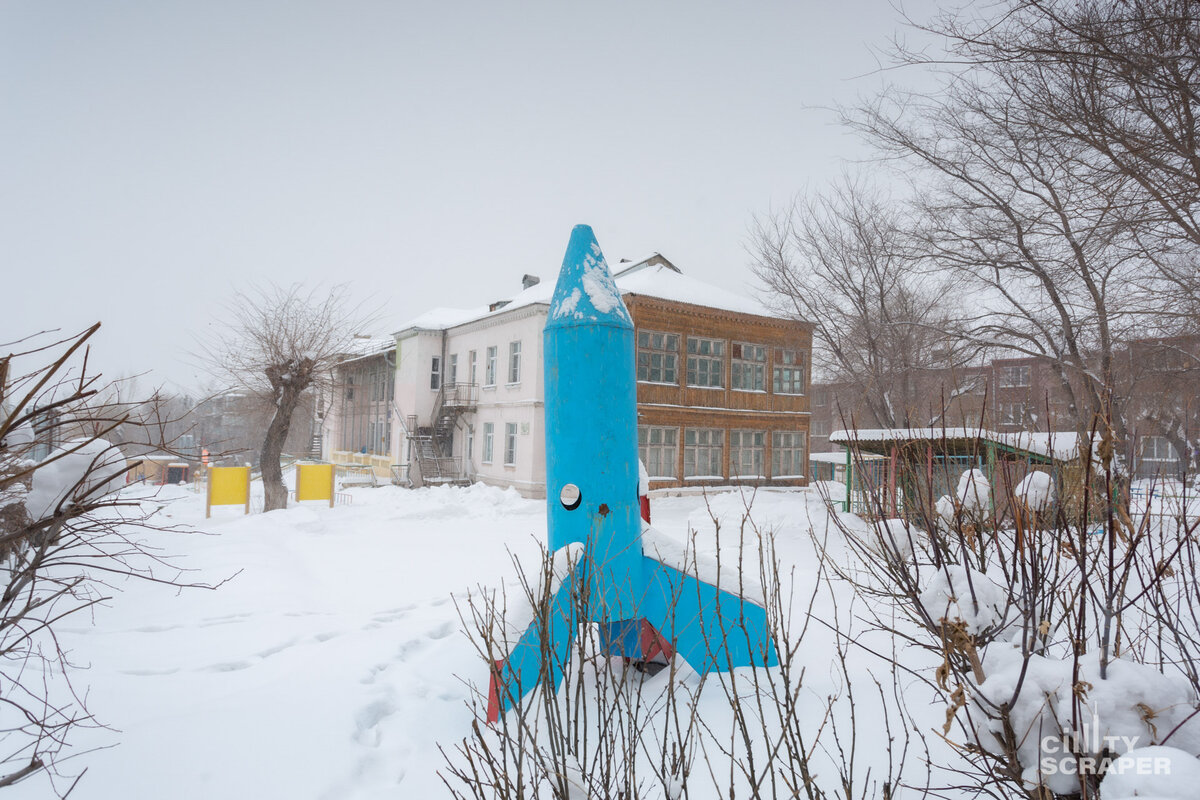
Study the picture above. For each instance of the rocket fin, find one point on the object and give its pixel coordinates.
(711, 628)
(540, 654)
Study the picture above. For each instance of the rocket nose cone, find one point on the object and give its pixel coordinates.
(586, 293)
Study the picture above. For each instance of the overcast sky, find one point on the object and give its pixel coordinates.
(155, 156)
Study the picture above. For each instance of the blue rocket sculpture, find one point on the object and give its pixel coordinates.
(645, 608)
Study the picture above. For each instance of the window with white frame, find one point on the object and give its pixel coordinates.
(789, 454)
(1157, 448)
(820, 397)
(452, 368)
(703, 453)
(820, 427)
(747, 449)
(510, 443)
(790, 373)
(435, 373)
(488, 434)
(657, 357)
(489, 367)
(470, 443)
(706, 362)
(749, 369)
(658, 448)
(471, 366)
(1014, 375)
(514, 362)
(1012, 413)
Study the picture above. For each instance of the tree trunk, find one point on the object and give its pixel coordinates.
(275, 493)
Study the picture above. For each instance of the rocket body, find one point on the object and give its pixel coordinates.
(645, 608)
(591, 410)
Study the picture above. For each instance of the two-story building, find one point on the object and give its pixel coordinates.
(722, 387)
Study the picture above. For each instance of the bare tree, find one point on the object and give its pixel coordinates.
(64, 533)
(1060, 174)
(844, 261)
(280, 343)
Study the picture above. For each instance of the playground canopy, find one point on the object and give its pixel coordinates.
(895, 471)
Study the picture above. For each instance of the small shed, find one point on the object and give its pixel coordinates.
(158, 469)
(895, 472)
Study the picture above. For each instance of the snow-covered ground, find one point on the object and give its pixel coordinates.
(333, 663)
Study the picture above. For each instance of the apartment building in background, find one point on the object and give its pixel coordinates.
(1158, 380)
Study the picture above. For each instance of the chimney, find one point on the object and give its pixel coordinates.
(529, 280)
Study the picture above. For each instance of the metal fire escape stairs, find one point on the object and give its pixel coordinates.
(431, 445)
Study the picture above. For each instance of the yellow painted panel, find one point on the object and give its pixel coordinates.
(229, 486)
(314, 481)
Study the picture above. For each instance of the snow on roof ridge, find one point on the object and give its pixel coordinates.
(661, 279)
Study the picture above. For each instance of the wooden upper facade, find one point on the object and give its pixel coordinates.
(722, 395)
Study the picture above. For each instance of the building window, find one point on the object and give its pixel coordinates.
(658, 448)
(790, 375)
(470, 443)
(821, 398)
(1017, 375)
(435, 373)
(1157, 448)
(488, 430)
(489, 367)
(820, 427)
(452, 369)
(703, 453)
(788, 454)
(1012, 413)
(657, 357)
(510, 443)
(749, 367)
(706, 362)
(471, 366)
(747, 450)
(514, 362)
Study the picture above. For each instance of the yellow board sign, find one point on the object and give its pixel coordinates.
(314, 482)
(228, 486)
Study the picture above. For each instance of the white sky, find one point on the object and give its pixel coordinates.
(156, 155)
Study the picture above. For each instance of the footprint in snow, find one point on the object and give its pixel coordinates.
(367, 720)
(442, 631)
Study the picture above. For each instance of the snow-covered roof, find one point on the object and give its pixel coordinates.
(363, 346)
(652, 276)
(658, 280)
(1059, 445)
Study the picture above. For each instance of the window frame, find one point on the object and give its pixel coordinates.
(646, 444)
(489, 365)
(1003, 418)
(1024, 376)
(736, 453)
(797, 449)
(489, 431)
(738, 364)
(1171, 458)
(708, 447)
(695, 358)
(514, 362)
(646, 353)
(795, 371)
(510, 444)
(435, 374)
